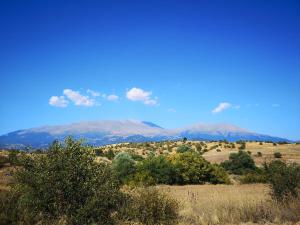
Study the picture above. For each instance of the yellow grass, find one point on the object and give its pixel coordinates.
(231, 204)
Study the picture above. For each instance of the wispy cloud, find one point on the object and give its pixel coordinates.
(221, 107)
(275, 105)
(138, 94)
(172, 110)
(112, 97)
(58, 101)
(93, 93)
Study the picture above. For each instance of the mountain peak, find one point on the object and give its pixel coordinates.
(103, 132)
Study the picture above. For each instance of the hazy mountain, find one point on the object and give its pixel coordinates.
(115, 131)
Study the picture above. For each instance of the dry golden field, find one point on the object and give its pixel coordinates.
(231, 204)
(216, 151)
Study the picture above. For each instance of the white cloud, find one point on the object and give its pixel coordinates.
(172, 110)
(221, 107)
(93, 93)
(58, 101)
(138, 94)
(112, 97)
(78, 99)
(275, 105)
(237, 107)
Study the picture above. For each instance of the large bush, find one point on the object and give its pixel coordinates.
(192, 168)
(239, 163)
(284, 179)
(156, 169)
(123, 166)
(183, 148)
(67, 183)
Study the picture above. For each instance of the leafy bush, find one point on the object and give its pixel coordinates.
(192, 168)
(183, 148)
(66, 182)
(259, 154)
(13, 157)
(156, 169)
(277, 155)
(3, 161)
(254, 177)
(239, 163)
(123, 166)
(149, 206)
(284, 179)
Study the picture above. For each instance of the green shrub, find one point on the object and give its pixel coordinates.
(150, 206)
(254, 177)
(239, 163)
(13, 157)
(277, 155)
(3, 161)
(157, 169)
(123, 166)
(66, 182)
(192, 168)
(284, 179)
(183, 148)
(259, 154)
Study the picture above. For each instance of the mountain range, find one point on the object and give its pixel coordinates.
(104, 132)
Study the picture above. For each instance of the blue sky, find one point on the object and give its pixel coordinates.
(174, 63)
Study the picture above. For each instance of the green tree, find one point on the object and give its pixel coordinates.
(183, 148)
(157, 169)
(194, 169)
(284, 179)
(239, 163)
(123, 166)
(66, 182)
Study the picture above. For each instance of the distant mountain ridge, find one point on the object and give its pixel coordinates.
(117, 131)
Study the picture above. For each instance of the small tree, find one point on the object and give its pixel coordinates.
(66, 182)
(123, 166)
(183, 148)
(156, 169)
(277, 155)
(284, 179)
(239, 163)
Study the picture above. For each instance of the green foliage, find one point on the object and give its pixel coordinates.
(13, 157)
(243, 146)
(257, 176)
(284, 179)
(192, 168)
(259, 154)
(123, 166)
(156, 169)
(277, 155)
(3, 161)
(183, 148)
(66, 182)
(239, 163)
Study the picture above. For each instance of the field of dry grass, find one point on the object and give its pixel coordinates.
(290, 152)
(216, 151)
(231, 204)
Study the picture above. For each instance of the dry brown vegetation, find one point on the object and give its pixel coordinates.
(232, 204)
(215, 151)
